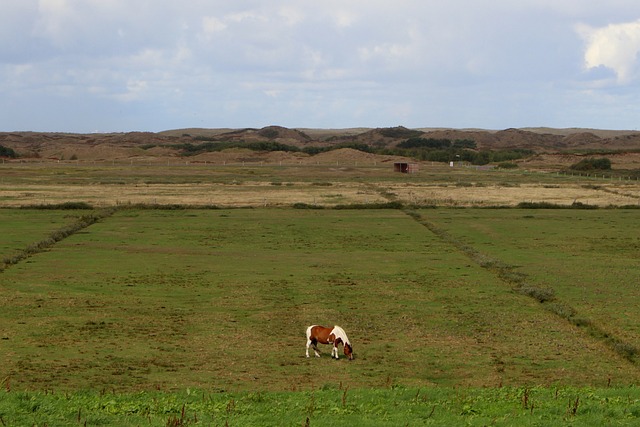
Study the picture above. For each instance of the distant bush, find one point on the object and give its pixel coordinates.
(437, 143)
(189, 149)
(592, 164)
(399, 132)
(508, 165)
(465, 143)
(271, 146)
(312, 151)
(425, 143)
(7, 152)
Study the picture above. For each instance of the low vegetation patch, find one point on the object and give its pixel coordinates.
(383, 205)
(62, 206)
(548, 205)
(507, 165)
(592, 164)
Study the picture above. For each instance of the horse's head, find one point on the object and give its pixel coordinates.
(348, 351)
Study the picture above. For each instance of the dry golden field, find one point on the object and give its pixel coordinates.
(325, 181)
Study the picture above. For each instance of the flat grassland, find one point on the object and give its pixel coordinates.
(217, 298)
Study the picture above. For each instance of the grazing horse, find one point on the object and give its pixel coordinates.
(323, 335)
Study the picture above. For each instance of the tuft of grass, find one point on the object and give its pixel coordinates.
(561, 310)
(540, 294)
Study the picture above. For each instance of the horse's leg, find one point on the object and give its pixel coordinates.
(334, 350)
(312, 343)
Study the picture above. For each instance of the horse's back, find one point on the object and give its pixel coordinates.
(319, 333)
(313, 330)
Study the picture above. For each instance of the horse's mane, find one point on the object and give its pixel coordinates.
(340, 333)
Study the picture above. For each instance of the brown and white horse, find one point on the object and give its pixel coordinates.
(323, 335)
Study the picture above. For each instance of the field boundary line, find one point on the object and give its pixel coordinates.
(56, 236)
(545, 296)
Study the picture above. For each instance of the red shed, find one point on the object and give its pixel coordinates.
(405, 167)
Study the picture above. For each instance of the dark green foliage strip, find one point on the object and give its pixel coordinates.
(437, 150)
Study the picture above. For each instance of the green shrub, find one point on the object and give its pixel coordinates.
(425, 143)
(592, 164)
(7, 152)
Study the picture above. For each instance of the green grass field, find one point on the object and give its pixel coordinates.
(218, 300)
(589, 258)
(508, 406)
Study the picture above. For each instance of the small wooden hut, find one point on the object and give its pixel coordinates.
(405, 167)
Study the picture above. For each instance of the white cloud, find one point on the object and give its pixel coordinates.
(211, 25)
(291, 15)
(616, 46)
(343, 18)
(330, 63)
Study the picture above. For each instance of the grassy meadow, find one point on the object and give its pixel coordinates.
(173, 315)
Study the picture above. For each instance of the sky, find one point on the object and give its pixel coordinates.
(151, 65)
